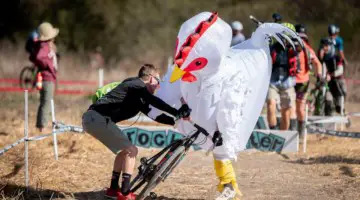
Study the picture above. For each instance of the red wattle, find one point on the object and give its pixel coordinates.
(188, 77)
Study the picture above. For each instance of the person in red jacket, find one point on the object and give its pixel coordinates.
(308, 60)
(46, 60)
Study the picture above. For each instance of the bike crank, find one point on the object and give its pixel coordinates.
(153, 195)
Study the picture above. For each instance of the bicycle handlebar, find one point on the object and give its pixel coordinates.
(199, 128)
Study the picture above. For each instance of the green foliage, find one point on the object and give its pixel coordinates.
(126, 28)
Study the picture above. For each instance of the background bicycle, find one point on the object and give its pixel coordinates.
(27, 78)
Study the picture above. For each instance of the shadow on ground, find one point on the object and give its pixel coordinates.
(15, 171)
(19, 192)
(326, 160)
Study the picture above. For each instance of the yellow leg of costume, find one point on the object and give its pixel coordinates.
(225, 172)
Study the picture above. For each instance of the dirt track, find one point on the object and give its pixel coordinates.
(330, 169)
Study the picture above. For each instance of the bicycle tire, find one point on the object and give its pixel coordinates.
(168, 166)
(27, 77)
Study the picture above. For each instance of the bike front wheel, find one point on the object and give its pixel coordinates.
(164, 170)
(28, 77)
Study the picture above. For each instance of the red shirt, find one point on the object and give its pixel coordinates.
(305, 59)
(46, 62)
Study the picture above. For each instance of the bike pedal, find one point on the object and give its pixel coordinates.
(143, 160)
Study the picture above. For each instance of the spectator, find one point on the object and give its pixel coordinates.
(46, 60)
(335, 67)
(237, 29)
(282, 82)
(338, 42)
(308, 59)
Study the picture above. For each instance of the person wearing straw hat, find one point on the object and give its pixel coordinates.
(46, 60)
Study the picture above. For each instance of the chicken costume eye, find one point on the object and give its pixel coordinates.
(195, 65)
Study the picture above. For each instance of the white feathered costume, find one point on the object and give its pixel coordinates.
(225, 87)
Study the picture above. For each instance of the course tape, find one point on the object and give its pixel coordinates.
(7, 148)
(74, 129)
(329, 120)
(333, 132)
(353, 114)
(62, 129)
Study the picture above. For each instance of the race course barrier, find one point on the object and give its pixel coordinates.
(333, 132)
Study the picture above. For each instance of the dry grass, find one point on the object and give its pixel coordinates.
(329, 170)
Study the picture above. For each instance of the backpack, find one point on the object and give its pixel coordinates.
(31, 42)
(104, 90)
(285, 58)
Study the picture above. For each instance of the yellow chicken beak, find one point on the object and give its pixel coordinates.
(176, 74)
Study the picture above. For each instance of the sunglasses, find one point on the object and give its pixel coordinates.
(156, 78)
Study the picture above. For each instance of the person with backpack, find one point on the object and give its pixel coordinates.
(123, 102)
(338, 41)
(44, 57)
(283, 79)
(100, 92)
(308, 60)
(335, 70)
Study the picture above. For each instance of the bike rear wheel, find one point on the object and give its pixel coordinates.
(28, 77)
(165, 169)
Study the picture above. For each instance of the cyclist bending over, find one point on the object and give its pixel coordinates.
(131, 96)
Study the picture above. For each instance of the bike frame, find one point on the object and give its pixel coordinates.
(147, 167)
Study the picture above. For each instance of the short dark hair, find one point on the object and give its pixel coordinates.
(146, 70)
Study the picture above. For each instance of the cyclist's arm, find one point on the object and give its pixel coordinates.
(162, 118)
(165, 119)
(316, 62)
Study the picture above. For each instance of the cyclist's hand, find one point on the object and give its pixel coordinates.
(183, 112)
(217, 139)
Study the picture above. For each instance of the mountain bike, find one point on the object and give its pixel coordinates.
(317, 101)
(27, 77)
(156, 169)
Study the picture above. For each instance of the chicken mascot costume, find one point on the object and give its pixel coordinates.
(225, 87)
